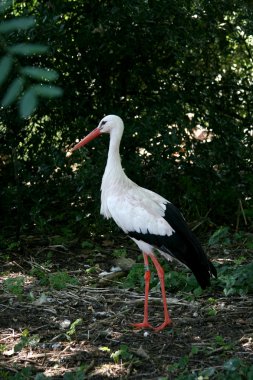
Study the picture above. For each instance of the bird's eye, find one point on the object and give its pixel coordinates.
(103, 123)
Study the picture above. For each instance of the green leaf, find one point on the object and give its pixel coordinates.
(220, 235)
(4, 5)
(27, 49)
(123, 352)
(208, 372)
(5, 67)
(17, 24)
(28, 103)
(104, 348)
(13, 92)
(40, 73)
(72, 329)
(48, 91)
(40, 376)
(116, 356)
(232, 364)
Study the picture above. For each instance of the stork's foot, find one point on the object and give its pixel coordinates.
(166, 323)
(142, 325)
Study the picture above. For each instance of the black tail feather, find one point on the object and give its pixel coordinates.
(203, 274)
(182, 245)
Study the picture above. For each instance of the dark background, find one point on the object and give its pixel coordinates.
(167, 68)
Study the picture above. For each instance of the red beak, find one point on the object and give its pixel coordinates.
(91, 136)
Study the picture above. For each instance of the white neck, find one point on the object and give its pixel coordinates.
(114, 178)
(113, 159)
(113, 166)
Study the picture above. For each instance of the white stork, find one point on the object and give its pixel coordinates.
(150, 220)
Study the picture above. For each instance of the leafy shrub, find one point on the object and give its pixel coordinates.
(237, 280)
(165, 79)
(175, 280)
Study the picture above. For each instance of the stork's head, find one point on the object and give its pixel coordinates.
(109, 124)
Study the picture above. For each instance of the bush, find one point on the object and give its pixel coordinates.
(166, 79)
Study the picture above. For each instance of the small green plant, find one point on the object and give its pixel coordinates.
(57, 280)
(180, 366)
(41, 274)
(211, 311)
(235, 369)
(135, 277)
(123, 353)
(60, 280)
(2, 347)
(104, 349)
(120, 252)
(221, 343)
(72, 329)
(4, 375)
(13, 245)
(87, 245)
(26, 340)
(14, 286)
(41, 271)
(232, 369)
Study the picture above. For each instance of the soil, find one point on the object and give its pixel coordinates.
(86, 327)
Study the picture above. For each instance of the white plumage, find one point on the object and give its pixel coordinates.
(149, 219)
(132, 207)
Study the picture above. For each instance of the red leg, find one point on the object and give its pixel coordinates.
(160, 272)
(145, 322)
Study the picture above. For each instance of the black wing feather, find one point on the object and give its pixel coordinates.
(182, 245)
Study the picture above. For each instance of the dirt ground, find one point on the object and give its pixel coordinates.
(84, 330)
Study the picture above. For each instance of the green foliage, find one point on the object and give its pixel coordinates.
(119, 252)
(5, 67)
(123, 353)
(41, 274)
(166, 68)
(135, 278)
(28, 373)
(21, 87)
(237, 280)
(79, 374)
(232, 369)
(221, 343)
(21, 23)
(57, 280)
(181, 364)
(60, 280)
(14, 286)
(72, 329)
(2, 348)
(182, 280)
(175, 280)
(26, 340)
(4, 5)
(220, 236)
(87, 245)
